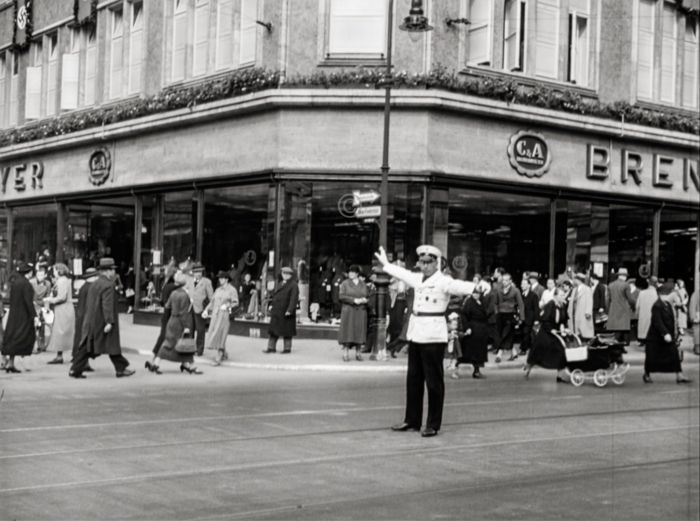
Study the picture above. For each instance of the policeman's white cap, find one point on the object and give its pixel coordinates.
(428, 249)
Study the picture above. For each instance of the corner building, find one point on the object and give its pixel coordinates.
(264, 177)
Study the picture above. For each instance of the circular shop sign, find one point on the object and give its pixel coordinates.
(100, 166)
(529, 154)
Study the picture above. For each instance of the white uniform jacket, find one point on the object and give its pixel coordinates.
(427, 323)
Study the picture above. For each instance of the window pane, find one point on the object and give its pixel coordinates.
(546, 41)
(34, 233)
(677, 246)
(224, 34)
(179, 224)
(645, 49)
(357, 27)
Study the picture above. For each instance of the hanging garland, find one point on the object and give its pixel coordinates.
(239, 83)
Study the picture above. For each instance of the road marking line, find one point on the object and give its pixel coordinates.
(331, 459)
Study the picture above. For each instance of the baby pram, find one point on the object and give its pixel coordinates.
(599, 361)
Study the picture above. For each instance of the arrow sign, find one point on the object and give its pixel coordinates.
(368, 211)
(364, 197)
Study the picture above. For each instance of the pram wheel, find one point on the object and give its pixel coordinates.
(618, 379)
(577, 378)
(600, 378)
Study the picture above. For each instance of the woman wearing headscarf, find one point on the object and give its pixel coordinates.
(354, 296)
(20, 332)
(63, 330)
(661, 349)
(547, 350)
(179, 324)
(219, 309)
(474, 341)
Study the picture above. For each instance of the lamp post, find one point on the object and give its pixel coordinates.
(415, 22)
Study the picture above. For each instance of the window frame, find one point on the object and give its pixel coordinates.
(329, 56)
(116, 75)
(573, 51)
(489, 25)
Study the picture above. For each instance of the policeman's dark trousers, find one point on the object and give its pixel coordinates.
(425, 369)
(80, 361)
(200, 326)
(272, 343)
(505, 323)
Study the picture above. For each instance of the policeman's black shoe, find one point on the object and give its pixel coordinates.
(429, 432)
(403, 427)
(75, 375)
(125, 373)
(647, 379)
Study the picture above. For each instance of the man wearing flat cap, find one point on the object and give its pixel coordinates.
(427, 335)
(621, 303)
(100, 332)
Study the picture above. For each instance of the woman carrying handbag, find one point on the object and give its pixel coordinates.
(178, 345)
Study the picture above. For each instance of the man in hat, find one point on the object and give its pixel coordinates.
(201, 295)
(100, 331)
(89, 277)
(427, 335)
(22, 319)
(600, 303)
(535, 285)
(620, 306)
(581, 308)
(283, 312)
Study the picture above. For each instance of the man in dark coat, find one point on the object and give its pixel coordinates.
(600, 303)
(661, 343)
(90, 276)
(531, 308)
(620, 305)
(283, 312)
(22, 319)
(100, 332)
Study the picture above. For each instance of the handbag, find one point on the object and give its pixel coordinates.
(599, 318)
(576, 354)
(48, 316)
(186, 345)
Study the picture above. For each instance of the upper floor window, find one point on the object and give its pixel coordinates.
(479, 32)
(90, 84)
(514, 35)
(645, 48)
(3, 75)
(33, 85)
(13, 110)
(357, 27)
(690, 64)
(207, 35)
(52, 74)
(547, 39)
(579, 38)
(669, 49)
(135, 46)
(116, 53)
(70, 71)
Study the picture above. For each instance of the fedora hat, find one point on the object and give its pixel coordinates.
(197, 267)
(288, 270)
(622, 271)
(106, 263)
(90, 272)
(223, 275)
(25, 267)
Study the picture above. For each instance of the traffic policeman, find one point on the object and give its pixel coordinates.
(427, 336)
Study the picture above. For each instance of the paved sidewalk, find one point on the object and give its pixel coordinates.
(313, 355)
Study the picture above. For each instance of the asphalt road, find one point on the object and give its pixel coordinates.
(248, 444)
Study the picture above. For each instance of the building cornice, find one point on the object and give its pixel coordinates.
(402, 99)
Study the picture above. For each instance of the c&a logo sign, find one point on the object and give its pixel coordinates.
(529, 154)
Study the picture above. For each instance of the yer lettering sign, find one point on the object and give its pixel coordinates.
(529, 154)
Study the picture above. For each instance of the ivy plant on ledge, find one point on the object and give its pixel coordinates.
(253, 80)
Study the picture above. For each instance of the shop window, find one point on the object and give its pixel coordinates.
(645, 48)
(116, 54)
(669, 38)
(579, 38)
(479, 32)
(32, 100)
(489, 230)
(581, 243)
(34, 233)
(179, 227)
(677, 245)
(514, 36)
(547, 39)
(99, 228)
(135, 47)
(630, 237)
(356, 27)
(690, 63)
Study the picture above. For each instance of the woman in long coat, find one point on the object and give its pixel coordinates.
(168, 287)
(283, 312)
(63, 330)
(354, 296)
(20, 333)
(547, 350)
(219, 309)
(475, 339)
(645, 301)
(179, 324)
(661, 349)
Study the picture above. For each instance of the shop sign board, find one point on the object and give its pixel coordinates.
(368, 211)
(360, 198)
(529, 153)
(22, 176)
(100, 166)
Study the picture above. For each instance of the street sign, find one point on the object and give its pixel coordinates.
(368, 211)
(369, 196)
